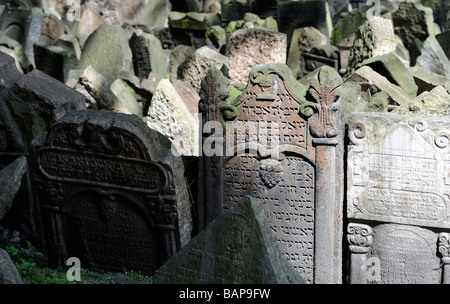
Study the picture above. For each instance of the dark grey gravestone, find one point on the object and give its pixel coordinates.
(237, 248)
(51, 98)
(111, 193)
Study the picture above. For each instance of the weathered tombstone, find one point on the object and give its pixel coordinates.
(398, 194)
(195, 67)
(317, 56)
(347, 25)
(233, 10)
(108, 51)
(371, 83)
(239, 247)
(45, 94)
(413, 21)
(303, 38)
(314, 13)
(285, 151)
(172, 117)
(190, 28)
(433, 58)
(243, 54)
(111, 193)
(382, 41)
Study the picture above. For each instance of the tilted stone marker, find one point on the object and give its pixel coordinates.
(111, 193)
(296, 173)
(237, 248)
(399, 194)
(243, 54)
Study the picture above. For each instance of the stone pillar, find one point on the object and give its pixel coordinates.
(326, 129)
(360, 238)
(444, 249)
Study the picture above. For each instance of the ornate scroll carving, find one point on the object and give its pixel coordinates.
(360, 237)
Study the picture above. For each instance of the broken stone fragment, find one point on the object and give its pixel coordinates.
(178, 55)
(433, 58)
(128, 104)
(389, 66)
(371, 83)
(427, 80)
(89, 23)
(433, 103)
(10, 180)
(216, 38)
(105, 99)
(9, 72)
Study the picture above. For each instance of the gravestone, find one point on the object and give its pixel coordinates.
(317, 56)
(239, 247)
(280, 149)
(398, 197)
(171, 116)
(413, 21)
(374, 37)
(195, 67)
(272, 48)
(303, 38)
(111, 193)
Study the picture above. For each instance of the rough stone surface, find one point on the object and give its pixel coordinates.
(45, 92)
(108, 51)
(239, 247)
(433, 58)
(169, 115)
(8, 272)
(9, 73)
(89, 23)
(413, 21)
(178, 55)
(374, 38)
(433, 103)
(10, 180)
(255, 46)
(194, 69)
(155, 14)
(117, 189)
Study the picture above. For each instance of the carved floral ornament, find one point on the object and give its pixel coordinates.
(444, 246)
(324, 112)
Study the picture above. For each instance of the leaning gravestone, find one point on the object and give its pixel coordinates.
(286, 152)
(398, 197)
(239, 247)
(243, 54)
(111, 193)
